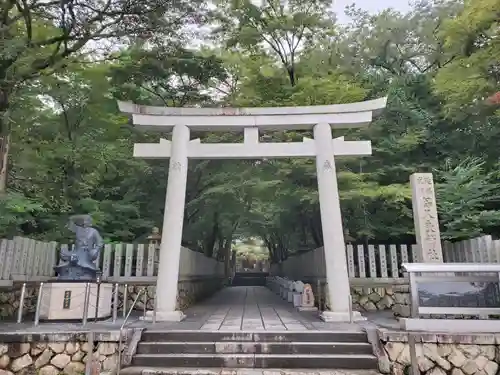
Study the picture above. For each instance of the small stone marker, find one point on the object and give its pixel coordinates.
(307, 296)
(425, 218)
(284, 289)
(297, 294)
(291, 289)
(299, 286)
(307, 299)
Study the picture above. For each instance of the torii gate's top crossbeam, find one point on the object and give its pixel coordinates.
(273, 118)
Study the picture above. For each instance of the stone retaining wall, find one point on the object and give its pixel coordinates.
(368, 298)
(441, 354)
(372, 299)
(51, 354)
(401, 306)
(9, 301)
(390, 297)
(190, 291)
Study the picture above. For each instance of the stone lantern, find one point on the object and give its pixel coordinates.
(155, 239)
(347, 237)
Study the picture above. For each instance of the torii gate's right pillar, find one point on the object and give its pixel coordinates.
(337, 276)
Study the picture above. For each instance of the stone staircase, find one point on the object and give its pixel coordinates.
(163, 350)
(249, 279)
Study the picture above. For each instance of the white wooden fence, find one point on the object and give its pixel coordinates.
(382, 261)
(476, 250)
(363, 262)
(378, 261)
(128, 260)
(30, 258)
(26, 257)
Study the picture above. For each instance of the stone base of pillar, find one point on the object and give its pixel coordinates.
(165, 316)
(335, 316)
(307, 308)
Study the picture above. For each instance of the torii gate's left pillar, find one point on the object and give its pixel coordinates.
(173, 218)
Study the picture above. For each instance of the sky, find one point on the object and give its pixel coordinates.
(371, 6)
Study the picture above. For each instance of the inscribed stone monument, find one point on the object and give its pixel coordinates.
(425, 218)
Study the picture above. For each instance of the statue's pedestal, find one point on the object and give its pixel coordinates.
(66, 301)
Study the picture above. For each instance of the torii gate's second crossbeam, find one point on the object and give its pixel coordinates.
(251, 148)
(323, 147)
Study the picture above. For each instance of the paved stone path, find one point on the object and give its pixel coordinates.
(242, 308)
(251, 309)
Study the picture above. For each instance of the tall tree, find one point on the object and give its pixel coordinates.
(38, 37)
(281, 27)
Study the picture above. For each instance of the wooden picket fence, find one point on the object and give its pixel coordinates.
(127, 260)
(382, 261)
(364, 261)
(476, 250)
(378, 261)
(28, 258)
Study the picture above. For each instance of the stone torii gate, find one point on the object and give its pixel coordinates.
(251, 121)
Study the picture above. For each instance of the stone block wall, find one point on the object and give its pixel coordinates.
(9, 301)
(372, 299)
(368, 294)
(199, 278)
(52, 354)
(189, 291)
(401, 306)
(441, 354)
(368, 298)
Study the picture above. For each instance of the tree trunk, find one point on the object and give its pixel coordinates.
(291, 75)
(212, 238)
(4, 159)
(227, 258)
(4, 138)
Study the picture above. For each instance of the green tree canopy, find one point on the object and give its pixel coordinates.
(71, 149)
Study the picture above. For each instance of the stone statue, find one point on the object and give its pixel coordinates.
(79, 263)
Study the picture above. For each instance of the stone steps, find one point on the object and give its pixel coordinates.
(257, 350)
(235, 347)
(238, 371)
(249, 279)
(338, 361)
(253, 336)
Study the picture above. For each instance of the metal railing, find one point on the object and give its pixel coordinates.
(85, 306)
(127, 316)
(87, 294)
